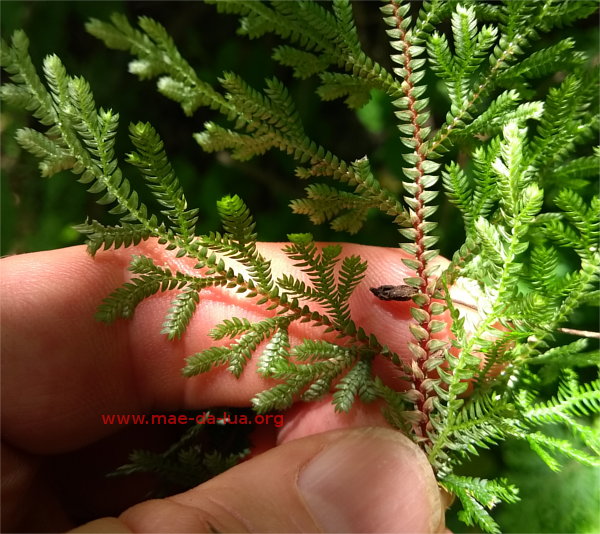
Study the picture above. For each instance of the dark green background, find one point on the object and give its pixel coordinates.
(38, 214)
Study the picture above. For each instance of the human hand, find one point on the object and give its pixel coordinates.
(61, 369)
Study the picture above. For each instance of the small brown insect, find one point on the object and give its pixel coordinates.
(401, 292)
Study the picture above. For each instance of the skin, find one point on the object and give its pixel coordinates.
(61, 369)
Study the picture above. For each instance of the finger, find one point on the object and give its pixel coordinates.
(365, 480)
(73, 368)
(305, 419)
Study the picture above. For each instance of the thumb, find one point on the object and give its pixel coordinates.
(359, 480)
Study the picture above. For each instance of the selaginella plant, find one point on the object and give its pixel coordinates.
(515, 160)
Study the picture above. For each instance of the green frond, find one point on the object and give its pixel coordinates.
(430, 14)
(180, 313)
(585, 281)
(119, 35)
(495, 124)
(572, 400)
(394, 405)
(470, 45)
(358, 382)
(316, 26)
(277, 350)
(513, 14)
(100, 236)
(592, 298)
(515, 36)
(543, 62)
(582, 217)
(241, 351)
(351, 273)
(186, 463)
(491, 242)
(477, 496)
(204, 361)
(54, 157)
(156, 54)
(464, 30)
(305, 64)
(548, 447)
(350, 221)
(560, 14)
(243, 147)
(27, 91)
(574, 174)
(440, 56)
(562, 122)
(268, 120)
(459, 189)
(279, 397)
(145, 265)
(123, 301)
(263, 112)
(561, 234)
(340, 85)
(511, 170)
(152, 161)
(470, 49)
(480, 423)
(230, 328)
(318, 267)
(320, 387)
(342, 9)
(237, 355)
(485, 192)
(544, 265)
(288, 119)
(322, 363)
(239, 243)
(325, 203)
(297, 288)
(504, 103)
(237, 221)
(238, 8)
(330, 37)
(315, 350)
(569, 355)
(369, 187)
(81, 138)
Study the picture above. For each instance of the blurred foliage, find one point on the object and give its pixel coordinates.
(550, 503)
(563, 502)
(38, 214)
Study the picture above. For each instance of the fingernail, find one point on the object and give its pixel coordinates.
(372, 480)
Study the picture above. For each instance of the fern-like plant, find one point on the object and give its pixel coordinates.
(516, 163)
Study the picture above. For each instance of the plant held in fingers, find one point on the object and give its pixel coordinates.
(514, 160)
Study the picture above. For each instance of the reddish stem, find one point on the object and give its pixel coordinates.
(417, 222)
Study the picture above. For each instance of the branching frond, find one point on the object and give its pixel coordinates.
(520, 118)
(152, 279)
(346, 211)
(268, 119)
(477, 496)
(157, 55)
